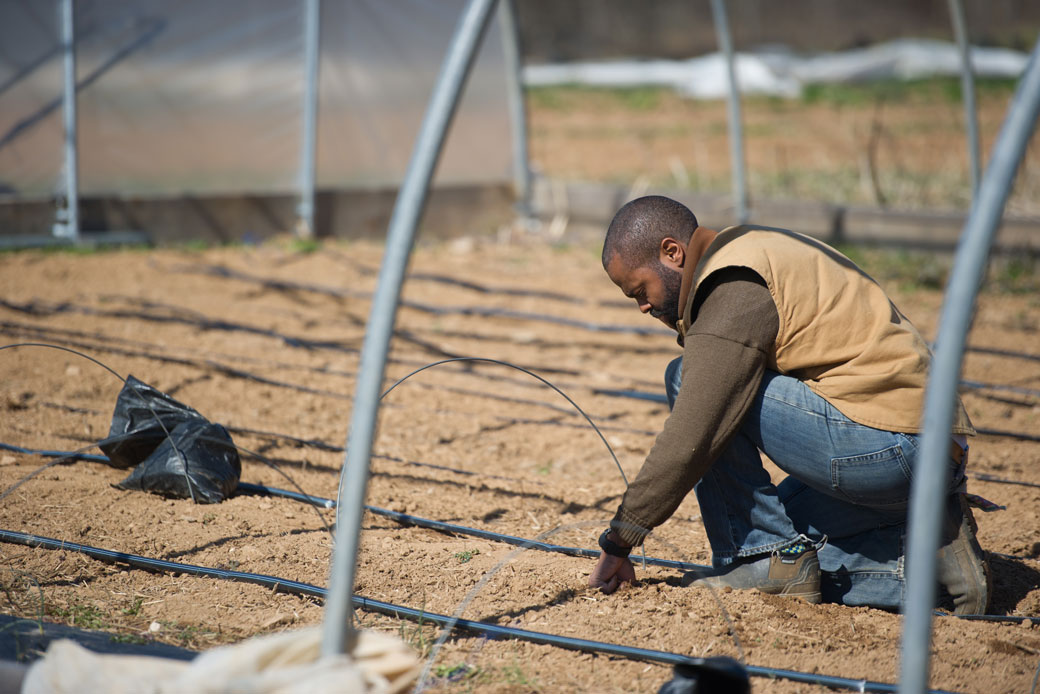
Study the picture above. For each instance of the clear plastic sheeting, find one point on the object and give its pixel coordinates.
(379, 62)
(204, 97)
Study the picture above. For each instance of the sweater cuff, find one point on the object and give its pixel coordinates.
(629, 529)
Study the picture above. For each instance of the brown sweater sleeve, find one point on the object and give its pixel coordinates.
(725, 353)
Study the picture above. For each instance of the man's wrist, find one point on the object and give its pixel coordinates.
(610, 543)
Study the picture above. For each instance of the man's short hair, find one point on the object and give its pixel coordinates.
(639, 227)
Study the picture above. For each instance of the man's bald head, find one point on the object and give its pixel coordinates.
(636, 232)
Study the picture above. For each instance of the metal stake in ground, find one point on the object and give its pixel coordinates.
(337, 635)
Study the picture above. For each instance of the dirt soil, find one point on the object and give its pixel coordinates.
(478, 445)
(901, 147)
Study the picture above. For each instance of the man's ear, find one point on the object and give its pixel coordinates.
(673, 253)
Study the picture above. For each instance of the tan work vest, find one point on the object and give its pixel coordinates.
(839, 332)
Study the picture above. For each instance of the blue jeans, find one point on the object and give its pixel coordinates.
(847, 481)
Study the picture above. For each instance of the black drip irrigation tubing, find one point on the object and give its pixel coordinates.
(204, 365)
(68, 455)
(398, 611)
(34, 308)
(211, 365)
(1002, 480)
(38, 308)
(311, 443)
(221, 271)
(454, 529)
(1004, 353)
(404, 519)
(1007, 434)
(441, 526)
(505, 291)
(421, 522)
(1019, 390)
(660, 398)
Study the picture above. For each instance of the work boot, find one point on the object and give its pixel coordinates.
(960, 564)
(792, 571)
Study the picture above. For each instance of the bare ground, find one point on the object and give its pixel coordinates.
(889, 146)
(514, 459)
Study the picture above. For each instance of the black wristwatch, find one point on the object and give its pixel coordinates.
(612, 548)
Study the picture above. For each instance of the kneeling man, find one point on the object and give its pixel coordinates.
(791, 350)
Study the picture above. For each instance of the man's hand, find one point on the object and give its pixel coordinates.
(610, 572)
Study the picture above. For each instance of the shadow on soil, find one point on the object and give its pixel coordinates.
(1012, 581)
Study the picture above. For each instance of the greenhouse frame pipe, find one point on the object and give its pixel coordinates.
(515, 104)
(309, 118)
(927, 500)
(67, 225)
(493, 630)
(337, 628)
(736, 128)
(971, 121)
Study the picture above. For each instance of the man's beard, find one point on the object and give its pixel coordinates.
(672, 283)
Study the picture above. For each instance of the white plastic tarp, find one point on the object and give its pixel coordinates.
(780, 72)
(203, 97)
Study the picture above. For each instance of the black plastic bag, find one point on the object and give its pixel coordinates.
(213, 466)
(177, 451)
(142, 418)
(717, 675)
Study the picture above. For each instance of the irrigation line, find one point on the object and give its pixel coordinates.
(72, 456)
(205, 366)
(69, 455)
(78, 455)
(657, 397)
(1002, 353)
(660, 398)
(335, 292)
(505, 561)
(448, 628)
(195, 320)
(976, 385)
(1001, 480)
(327, 503)
(451, 528)
(321, 502)
(487, 312)
(419, 521)
(982, 431)
(392, 387)
(105, 343)
(220, 271)
(490, 630)
(232, 372)
(199, 320)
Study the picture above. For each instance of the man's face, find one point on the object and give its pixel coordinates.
(654, 286)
